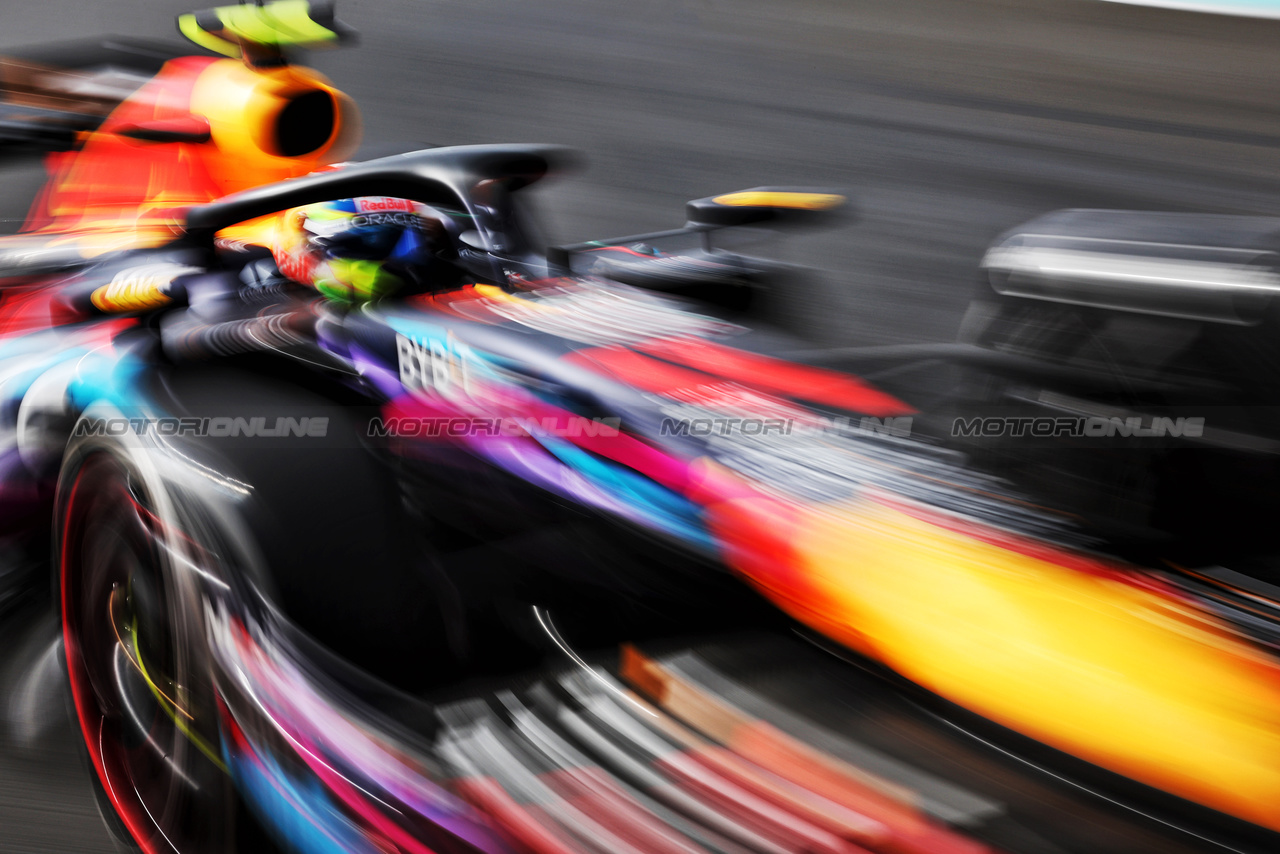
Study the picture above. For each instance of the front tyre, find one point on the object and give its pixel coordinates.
(136, 660)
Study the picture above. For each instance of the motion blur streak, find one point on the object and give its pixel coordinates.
(375, 778)
(554, 637)
(531, 779)
(1041, 640)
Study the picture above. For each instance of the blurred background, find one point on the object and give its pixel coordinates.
(948, 121)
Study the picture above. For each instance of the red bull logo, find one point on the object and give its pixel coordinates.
(377, 204)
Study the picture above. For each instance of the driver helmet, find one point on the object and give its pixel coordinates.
(361, 249)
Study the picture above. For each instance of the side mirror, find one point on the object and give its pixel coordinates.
(775, 206)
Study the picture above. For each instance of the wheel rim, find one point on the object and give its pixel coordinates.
(153, 749)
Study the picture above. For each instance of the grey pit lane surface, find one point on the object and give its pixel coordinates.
(949, 122)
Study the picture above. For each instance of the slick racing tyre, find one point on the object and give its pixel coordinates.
(129, 570)
(153, 533)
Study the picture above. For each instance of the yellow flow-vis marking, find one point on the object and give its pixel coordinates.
(138, 288)
(765, 199)
(287, 22)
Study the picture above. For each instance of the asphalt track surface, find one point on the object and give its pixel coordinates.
(949, 121)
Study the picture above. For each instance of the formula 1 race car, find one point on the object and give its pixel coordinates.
(315, 542)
